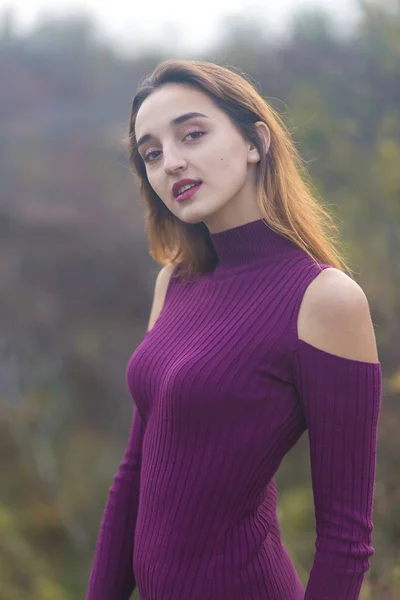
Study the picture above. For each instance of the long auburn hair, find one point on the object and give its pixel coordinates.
(285, 195)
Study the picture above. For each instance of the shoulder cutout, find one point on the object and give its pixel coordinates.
(334, 316)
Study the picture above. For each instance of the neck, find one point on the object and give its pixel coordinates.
(249, 243)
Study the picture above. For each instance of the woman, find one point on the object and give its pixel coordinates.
(256, 334)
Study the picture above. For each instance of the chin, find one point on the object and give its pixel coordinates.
(192, 219)
(193, 214)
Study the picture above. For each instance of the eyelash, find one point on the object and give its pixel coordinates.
(146, 157)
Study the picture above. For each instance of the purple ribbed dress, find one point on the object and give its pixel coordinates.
(223, 389)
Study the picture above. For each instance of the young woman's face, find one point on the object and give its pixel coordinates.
(205, 148)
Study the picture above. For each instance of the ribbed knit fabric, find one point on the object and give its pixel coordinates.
(223, 389)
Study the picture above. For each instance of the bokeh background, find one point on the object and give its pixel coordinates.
(76, 278)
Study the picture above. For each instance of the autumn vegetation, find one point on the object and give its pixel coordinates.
(76, 278)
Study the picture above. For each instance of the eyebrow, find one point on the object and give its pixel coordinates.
(177, 121)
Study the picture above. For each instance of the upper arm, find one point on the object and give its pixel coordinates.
(335, 317)
(338, 381)
(160, 290)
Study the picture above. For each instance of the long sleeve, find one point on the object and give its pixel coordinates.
(112, 576)
(341, 400)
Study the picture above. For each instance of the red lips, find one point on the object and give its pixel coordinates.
(177, 186)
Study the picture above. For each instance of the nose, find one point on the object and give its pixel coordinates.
(173, 162)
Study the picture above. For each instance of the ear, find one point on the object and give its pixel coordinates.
(263, 130)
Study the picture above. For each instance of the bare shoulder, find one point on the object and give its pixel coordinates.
(335, 316)
(160, 290)
(164, 276)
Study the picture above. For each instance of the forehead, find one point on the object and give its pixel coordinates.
(170, 101)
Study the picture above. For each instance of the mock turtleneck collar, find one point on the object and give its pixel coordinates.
(248, 243)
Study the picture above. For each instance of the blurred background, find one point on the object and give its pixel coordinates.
(76, 278)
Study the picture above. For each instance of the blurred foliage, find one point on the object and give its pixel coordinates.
(76, 275)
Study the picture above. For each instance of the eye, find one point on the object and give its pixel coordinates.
(192, 132)
(146, 156)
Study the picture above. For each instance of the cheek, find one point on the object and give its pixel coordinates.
(156, 185)
(154, 180)
(219, 161)
(223, 166)
(218, 171)
(231, 168)
(230, 160)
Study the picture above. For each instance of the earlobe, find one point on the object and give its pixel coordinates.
(253, 155)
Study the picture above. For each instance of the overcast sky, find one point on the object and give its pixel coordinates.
(192, 25)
